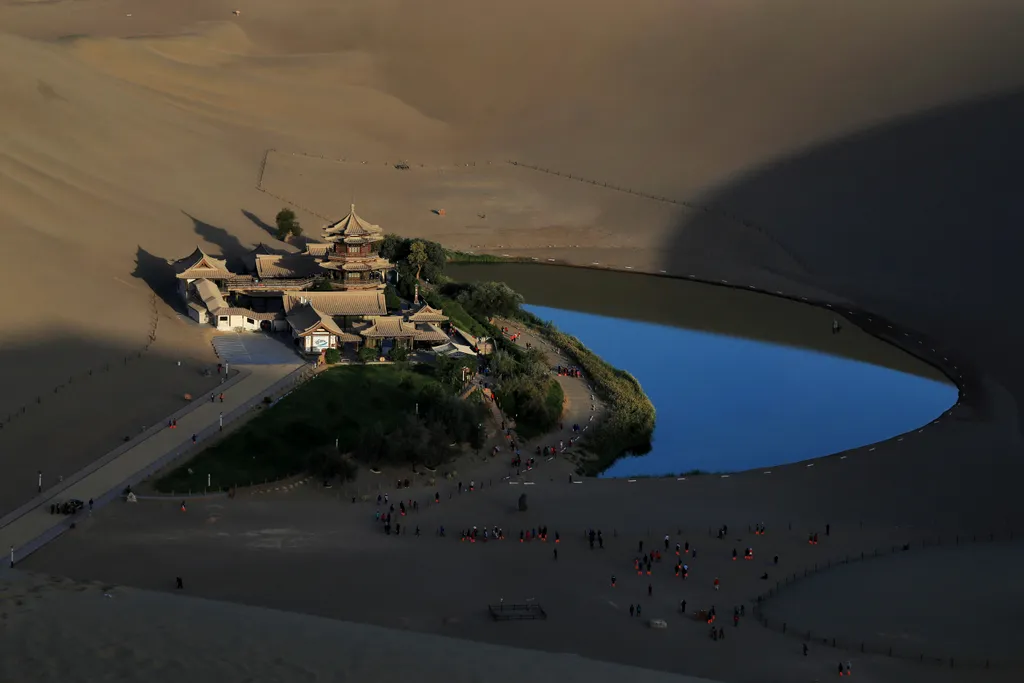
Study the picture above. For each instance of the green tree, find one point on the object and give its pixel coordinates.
(287, 225)
(368, 354)
(417, 257)
(487, 299)
(391, 298)
(394, 248)
(322, 284)
(332, 356)
(399, 353)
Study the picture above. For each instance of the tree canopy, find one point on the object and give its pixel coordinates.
(287, 225)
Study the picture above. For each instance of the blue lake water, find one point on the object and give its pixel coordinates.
(726, 404)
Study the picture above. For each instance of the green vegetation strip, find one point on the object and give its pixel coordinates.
(370, 410)
(629, 424)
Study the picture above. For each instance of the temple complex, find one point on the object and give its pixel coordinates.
(329, 296)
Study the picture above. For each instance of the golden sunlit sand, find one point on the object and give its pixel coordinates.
(850, 151)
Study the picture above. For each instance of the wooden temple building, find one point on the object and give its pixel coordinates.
(270, 291)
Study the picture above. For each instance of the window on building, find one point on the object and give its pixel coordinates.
(353, 250)
(250, 321)
(223, 318)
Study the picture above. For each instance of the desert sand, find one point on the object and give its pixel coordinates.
(854, 152)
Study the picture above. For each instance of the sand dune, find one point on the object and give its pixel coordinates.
(133, 130)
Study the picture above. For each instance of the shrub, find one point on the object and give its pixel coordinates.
(332, 356)
(368, 354)
(398, 353)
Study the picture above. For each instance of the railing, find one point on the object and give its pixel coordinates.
(907, 652)
(292, 283)
(287, 383)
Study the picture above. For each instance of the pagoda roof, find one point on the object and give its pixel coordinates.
(358, 265)
(338, 303)
(199, 265)
(428, 314)
(353, 230)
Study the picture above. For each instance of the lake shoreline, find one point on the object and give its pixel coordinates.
(938, 364)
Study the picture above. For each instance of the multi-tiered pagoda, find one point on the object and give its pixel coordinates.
(352, 258)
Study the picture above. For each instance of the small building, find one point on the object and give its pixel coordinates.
(427, 314)
(353, 259)
(391, 329)
(199, 266)
(225, 317)
(316, 332)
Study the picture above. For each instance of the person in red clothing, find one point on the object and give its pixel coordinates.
(717, 583)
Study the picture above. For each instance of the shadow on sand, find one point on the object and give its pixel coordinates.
(924, 210)
(158, 274)
(258, 222)
(917, 220)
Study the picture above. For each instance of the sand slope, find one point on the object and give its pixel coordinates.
(149, 636)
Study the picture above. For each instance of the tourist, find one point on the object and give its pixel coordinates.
(828, 529)
(717, 583)
(721, 633)
(632, 609)
(840, 668)
(686, 548)
(178, 583)
(650, 590)
(736, 619)
(39, 482)
(666, 542)
(600, 540)
(613, 580)
(682, 606)
(776, 559)
(417, 533)
(638, 610)
(805, 649)
(640, 547)
(193, 439)
(556, 553)
(677, 550)
(734, 554)
(222, 397)
(213, 398)
(848, 671)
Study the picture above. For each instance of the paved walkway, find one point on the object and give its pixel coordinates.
(32, 526)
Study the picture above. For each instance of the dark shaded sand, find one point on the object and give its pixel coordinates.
(307, 550)
(66, 632)
(959, 601)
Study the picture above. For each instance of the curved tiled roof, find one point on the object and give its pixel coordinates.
(199, 265)
(353, 230)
